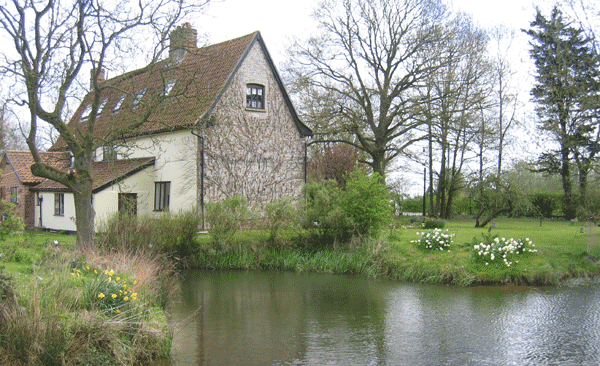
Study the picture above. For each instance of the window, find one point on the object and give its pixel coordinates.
(102, 105)
(162, 193)
(14, 195)
(169, 86)
(138, 98)
(109, 153)
(118, 105)
(59, 204)
(85, 115)
(255, 96)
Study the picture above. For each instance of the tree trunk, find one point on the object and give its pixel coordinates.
(569, 209)
(491, 217)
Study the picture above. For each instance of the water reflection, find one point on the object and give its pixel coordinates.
(274, 318)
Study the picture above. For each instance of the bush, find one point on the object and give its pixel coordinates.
(280, 215)
(434, 224)
(367, 202)
(226, 217)
(546, 202)
(171, 234)
(324, 216)
(11, 222)
(436, 239)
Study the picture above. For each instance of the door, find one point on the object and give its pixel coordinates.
(128, 204)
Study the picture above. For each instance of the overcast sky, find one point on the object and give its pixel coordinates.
(279, 20)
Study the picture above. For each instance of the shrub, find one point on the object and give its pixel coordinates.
(171, 234)
(324, 216)
(226, 217)
(502, 251)
(367, 202)
(436, 239)
(280, 215)
(546, 202)
(10, 222)
(434, 224)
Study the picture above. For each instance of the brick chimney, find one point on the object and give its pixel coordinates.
(100, 78)
(183, 39)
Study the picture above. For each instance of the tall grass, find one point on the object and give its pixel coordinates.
(49, 323)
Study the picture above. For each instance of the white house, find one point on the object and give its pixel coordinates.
(218, 123)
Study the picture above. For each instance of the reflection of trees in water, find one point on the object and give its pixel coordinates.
(277, 317)
(261, 317)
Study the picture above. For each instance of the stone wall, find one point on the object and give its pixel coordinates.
(257, 153)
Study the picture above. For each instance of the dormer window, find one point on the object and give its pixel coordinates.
(169, 86)
(138, 98)
(102, 105)
(255, 96)
(85, 115)
(118, 105)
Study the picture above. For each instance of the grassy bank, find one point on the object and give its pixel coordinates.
(61, 306)
(563, 252)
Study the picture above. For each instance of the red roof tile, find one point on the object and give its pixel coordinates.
(201, 77)
(21, 162)
(105, 173)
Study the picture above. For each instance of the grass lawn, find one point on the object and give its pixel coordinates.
(563, 252)
(20, 253)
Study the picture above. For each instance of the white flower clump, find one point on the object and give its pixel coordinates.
(502, 249)
(436, 239)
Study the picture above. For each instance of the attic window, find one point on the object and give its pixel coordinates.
(118, 105)
(85, 115)
(138, 98)
(102, 105)
(255, 96)
(169, 86)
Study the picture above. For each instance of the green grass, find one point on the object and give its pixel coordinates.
(563, 252)
(21, 253)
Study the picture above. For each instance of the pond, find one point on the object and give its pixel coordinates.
(287, 318)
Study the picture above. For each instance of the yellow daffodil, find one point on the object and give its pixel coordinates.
(96, 272)
(118, 279)
(87, 267)
(109, 279)
(118, 311)
(106, 271)
(101, 295)
(114, 296)
(111, 272)
(126, 298)
(135, 282)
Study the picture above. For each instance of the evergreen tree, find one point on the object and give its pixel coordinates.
(566, 93)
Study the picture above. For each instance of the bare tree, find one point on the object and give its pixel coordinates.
(363, 69)
(453, 92)
(53, 42)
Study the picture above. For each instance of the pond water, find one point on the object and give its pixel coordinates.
(286, 318)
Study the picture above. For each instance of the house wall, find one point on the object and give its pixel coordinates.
(175, 155)
(49, 220)
(106, 202)
(256, 153)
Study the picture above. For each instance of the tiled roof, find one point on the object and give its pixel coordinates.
(105, 173)
(21, 162)
(201, 77)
